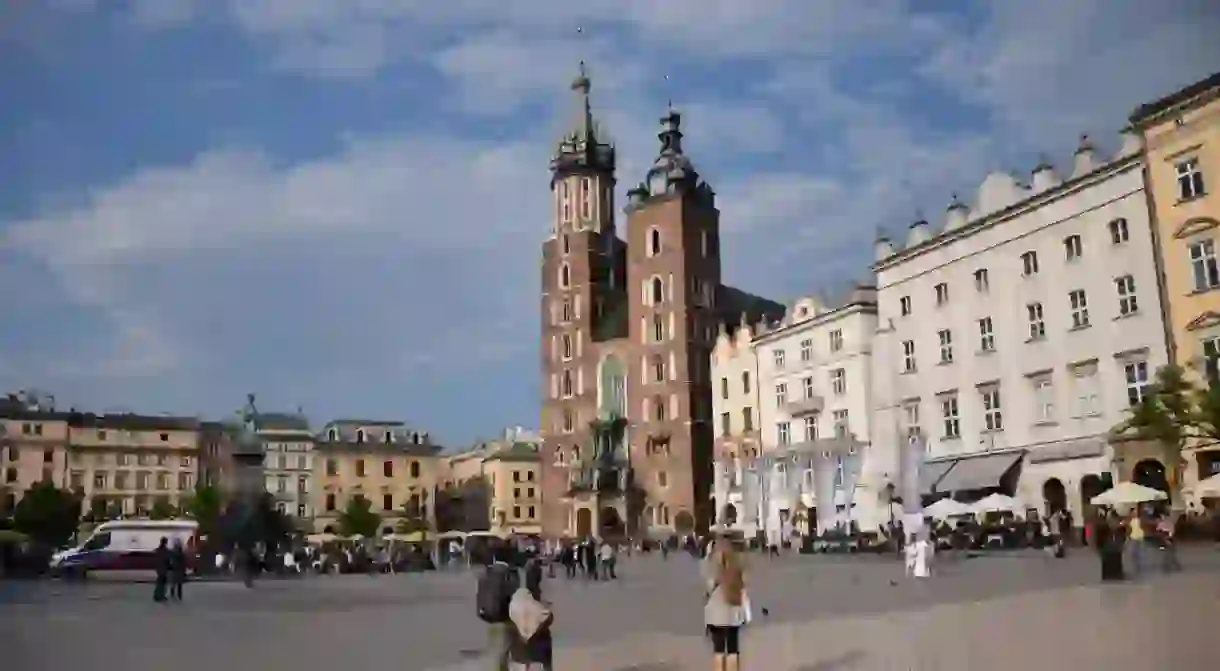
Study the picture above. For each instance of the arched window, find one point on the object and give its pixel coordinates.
(586, 198)
(654, 241)
(388, 437)
(359, 435)
(658, 369)
(658, 409)
(332, 435)
(415, 469)
(658, 291)
(565, 276)
(415, 438)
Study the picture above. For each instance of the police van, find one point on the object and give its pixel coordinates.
(126, 546)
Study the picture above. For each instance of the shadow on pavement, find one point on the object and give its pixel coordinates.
(843, 662)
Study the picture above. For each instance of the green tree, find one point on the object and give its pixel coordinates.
(358, 518)
(413, 519)
(48, 514)
(205, 505)
(1175, 413)
(162, 509)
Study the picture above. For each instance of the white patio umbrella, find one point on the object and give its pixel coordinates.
(1209, 487)
(1126, 493)
(946, 508)
(996, 503)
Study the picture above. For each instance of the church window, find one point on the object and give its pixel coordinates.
(565, 276)
(658, 369)
(654, 241)
(567, 244)
(658, 291)
(586, 198)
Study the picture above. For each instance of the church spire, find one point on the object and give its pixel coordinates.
(582, 148)
(584, 122)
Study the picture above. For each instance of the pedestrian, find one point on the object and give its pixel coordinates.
(497, 586)
(590, 552)
(177, 570)
(532, 646)
(1169, 549)
(161, 565)
(727, 608)
(1135, 542)
(607, 561)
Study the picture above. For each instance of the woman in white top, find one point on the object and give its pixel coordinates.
(728, 607)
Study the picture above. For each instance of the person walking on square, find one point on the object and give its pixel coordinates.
(1135, 542)
(531, 647)
(607, 561)
(1169, 549)
(177, 570)
(495, 591)
(727, 608)
(161, 563)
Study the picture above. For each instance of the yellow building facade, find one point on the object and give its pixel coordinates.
(1181, 137)
(509, 472)
(33, 448)
(382, 462)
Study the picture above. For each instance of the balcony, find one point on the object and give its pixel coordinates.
(805, 406)
(605, 478)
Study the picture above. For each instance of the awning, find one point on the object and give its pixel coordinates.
(1087, 448)
(977, 472)
(930, 474)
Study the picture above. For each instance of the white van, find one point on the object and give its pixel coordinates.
(126, 545)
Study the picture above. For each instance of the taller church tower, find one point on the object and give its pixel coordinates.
(583, 277)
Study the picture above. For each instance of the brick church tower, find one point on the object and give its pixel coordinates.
(627, 333)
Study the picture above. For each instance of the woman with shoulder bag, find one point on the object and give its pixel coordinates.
(728, 607)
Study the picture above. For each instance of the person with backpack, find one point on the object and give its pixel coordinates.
(532, 646)
(495, 592)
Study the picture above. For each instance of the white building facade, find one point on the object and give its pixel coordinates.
(1017, 336)
(288, 446)
(734, 375)
(812, 395)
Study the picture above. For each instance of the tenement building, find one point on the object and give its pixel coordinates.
(385, 463)
(1182, 166)
(628, 325)
(807, 380)
(1015, 337)
(287, 461)
(494, 486)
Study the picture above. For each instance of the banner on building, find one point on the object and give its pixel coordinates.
(912, 462)
(825, 470)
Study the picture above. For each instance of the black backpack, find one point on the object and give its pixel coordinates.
(496, 588)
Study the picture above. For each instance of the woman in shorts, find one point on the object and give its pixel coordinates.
(727, 609)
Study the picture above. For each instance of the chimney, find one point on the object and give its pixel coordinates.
(956, 215)
(1086, 157)
(1044, 176)
(919, 233)
(883, 248)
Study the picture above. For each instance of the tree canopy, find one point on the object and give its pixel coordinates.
(1175, 412)
(48, 514)
(413, 519)
(205, 505)
(358, 518)
(162, 510)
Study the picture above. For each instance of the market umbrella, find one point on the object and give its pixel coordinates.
(946, 508)
(996, 503)
(1126, 493)
(1208, 488)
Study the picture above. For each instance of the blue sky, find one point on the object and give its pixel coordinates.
(339, 204)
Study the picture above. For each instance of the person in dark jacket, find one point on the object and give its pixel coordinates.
(161, 563)
(177, 570)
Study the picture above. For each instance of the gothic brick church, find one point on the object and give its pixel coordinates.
(628, 325)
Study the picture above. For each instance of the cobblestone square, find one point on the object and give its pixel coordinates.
(1008, 611)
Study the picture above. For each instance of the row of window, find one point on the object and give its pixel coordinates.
(387, 468)
(653, 243)
(387, 436)
(1078, 303)
(568, 199)
(990, 404)
(783, 430)
(838, 386)
(35, 429)
(413, 502)
(834, 337)
(142, 480)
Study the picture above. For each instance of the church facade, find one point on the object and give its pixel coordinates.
(628, 326)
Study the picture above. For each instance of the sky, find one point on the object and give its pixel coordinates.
(340, 204)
